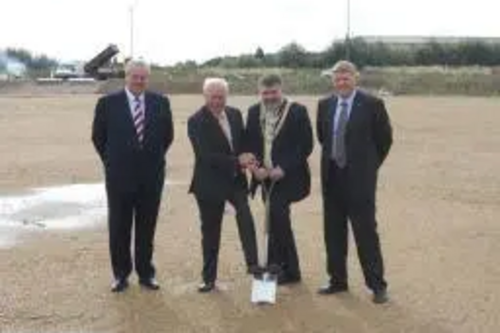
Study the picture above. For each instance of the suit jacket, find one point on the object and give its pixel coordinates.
(291, 148)
(127, 163)
(216, 171)
(368, 141)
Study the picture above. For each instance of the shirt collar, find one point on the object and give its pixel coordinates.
(131, 97)
(348, 100)
(221, 116)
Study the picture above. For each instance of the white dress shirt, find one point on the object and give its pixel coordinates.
(349, 100)
(131, 101)
(226, 127)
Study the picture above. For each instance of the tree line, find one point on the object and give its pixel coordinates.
(361, 52)
(34, 63)
(432, 53)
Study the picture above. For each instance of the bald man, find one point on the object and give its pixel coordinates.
(216, 132)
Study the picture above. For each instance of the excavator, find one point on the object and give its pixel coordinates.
(101, 67)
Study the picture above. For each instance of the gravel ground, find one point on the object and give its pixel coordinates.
(439, 208)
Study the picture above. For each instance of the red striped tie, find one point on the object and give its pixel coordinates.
(138, 115)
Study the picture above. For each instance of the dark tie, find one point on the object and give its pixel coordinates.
(339, 154)
(138, 114)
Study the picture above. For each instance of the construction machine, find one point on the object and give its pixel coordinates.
(101, 67)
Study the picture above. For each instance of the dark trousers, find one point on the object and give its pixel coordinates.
(282, 247)
(341, 204)
(211, 214)
(125, 208)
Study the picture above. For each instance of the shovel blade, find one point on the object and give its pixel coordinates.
(264, 289)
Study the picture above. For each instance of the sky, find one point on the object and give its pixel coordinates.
(168, 31)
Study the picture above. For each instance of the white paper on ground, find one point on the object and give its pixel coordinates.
(264, 290)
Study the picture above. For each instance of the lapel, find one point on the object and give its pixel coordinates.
(216, 129)
(332, 110)
(284, 118)
(129, 119)
(355, 108)
(259, 122)
(232, 127)
(149, 109)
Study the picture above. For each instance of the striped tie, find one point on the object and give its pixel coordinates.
(139, 119)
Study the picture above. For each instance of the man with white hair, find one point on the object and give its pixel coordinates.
(355, 133)
(217, 134)
(132, 131)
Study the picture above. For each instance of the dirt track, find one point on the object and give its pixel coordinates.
(439, 208)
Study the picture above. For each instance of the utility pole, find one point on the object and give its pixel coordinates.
(348, 32)
(132, 31)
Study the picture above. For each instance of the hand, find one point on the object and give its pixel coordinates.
(276, 174)
(260, 174)
(246, 160)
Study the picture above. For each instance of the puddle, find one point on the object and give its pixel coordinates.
(67, 206)
(52, 208)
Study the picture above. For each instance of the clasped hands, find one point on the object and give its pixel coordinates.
(249, 161)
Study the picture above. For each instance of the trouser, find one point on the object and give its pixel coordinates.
(340, 205)
(282, 248)
(211, 213)
(138, 209)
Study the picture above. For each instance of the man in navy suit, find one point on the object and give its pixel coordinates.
(355, 133)
(132, 132)
(279, 134)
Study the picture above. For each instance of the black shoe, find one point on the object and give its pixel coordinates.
(206, 287)
(275, 269)
(380, 296)
(150, 283)
(254, 270)
(284, 279)
(119, 285)
(331, 289)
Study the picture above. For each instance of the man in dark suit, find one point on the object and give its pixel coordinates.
(279, 134)
(132, 131)
(356, 135)
(216, 132)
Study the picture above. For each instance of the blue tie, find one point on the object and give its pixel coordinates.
(339, 151)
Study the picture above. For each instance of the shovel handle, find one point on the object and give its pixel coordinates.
(267, 190)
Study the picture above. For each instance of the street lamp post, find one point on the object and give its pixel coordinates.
(348, 32)
(131, 31)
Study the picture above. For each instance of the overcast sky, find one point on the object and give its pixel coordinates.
(167, 31)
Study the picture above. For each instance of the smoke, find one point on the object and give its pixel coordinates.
(10, 66)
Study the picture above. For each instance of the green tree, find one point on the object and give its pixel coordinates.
(477, 53)
(249, 61)
(292, 55)
(259, 54)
